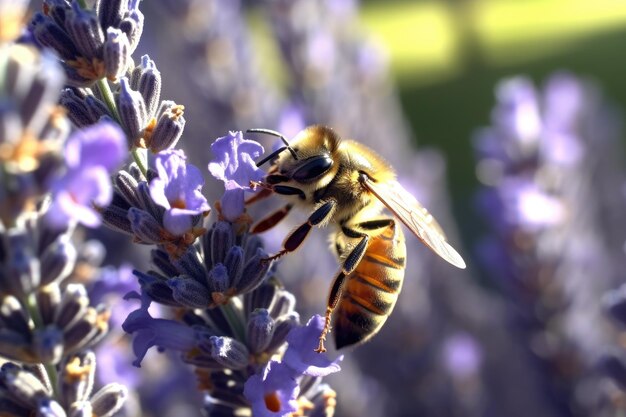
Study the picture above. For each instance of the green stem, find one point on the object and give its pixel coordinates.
(107, 94)
(4, 57)
(33, 311)
(35, 315)
(139, 161)
(53, 375)
(82, 4)
(234, 321)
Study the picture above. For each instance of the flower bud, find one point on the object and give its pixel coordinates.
(57, 261)
(260, 330)
(146, 79)
(282, 328)
(161, 260)
(168, 130)
(132, 110)
(83, 26)
(116, 54)
(218, 279)
(156, 288)
(110, 12)
(109, 400)
(76, 377)
(21, 384)
(76, 108)
(144, 226)
(116, 218)
(189, 292)
(234, 264)
(222, 239)
(283, 304)
(190, 264)
(132, 23)
(227, 351)
(48, 33)
(97, 109)
(253, 272)
(147, 203)
(127, 186)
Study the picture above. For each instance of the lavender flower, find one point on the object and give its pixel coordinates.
(33, 128)
(234, 164)
(27, 390)
(177, 189)
(545, 243)
(90, 41)
(272, 393)
(91, 156)
(150, 332)
(301, 357)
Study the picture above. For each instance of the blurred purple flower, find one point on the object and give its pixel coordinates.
(109, 288)
(177, 189)
(301, 356)
(101, 145)
(274, 392)
(234, 164)
(114, 364)
(148, 331)
(462, 356)
(91, 155)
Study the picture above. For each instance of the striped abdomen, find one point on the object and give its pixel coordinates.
(372, 289)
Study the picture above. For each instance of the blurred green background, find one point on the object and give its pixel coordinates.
(447, 56)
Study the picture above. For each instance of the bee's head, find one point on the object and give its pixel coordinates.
(315, 149)
(310, 156)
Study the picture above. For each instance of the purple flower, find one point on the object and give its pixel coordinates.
(91, 155)
(114, 364)
(165, 334)
(109, 287)
(234, 164)
(274, 392)
(301, 356)
(462, 356)
(101, 145)
(177, 189)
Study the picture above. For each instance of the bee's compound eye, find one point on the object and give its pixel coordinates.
(313, 167)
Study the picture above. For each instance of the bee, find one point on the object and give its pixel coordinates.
(347, 185)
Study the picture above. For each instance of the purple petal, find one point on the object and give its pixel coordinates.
(301, 356)
(103, 144)
(178, 221)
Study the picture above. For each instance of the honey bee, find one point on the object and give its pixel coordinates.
(347, 185)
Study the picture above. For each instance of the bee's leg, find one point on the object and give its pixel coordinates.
(349, 264)
(376, 224)
(261, 195)
(297, 236)
(272, 220)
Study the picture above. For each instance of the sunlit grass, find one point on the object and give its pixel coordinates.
(421, 38)
(427, 41)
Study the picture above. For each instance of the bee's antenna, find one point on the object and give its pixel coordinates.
(273, 154)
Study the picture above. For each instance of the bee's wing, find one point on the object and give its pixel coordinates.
(415, 217)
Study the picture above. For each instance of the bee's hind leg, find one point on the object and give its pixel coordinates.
(350, 262)
(293, 241)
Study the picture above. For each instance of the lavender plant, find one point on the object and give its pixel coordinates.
(546, 251)
(208, 300)
(232, 316)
